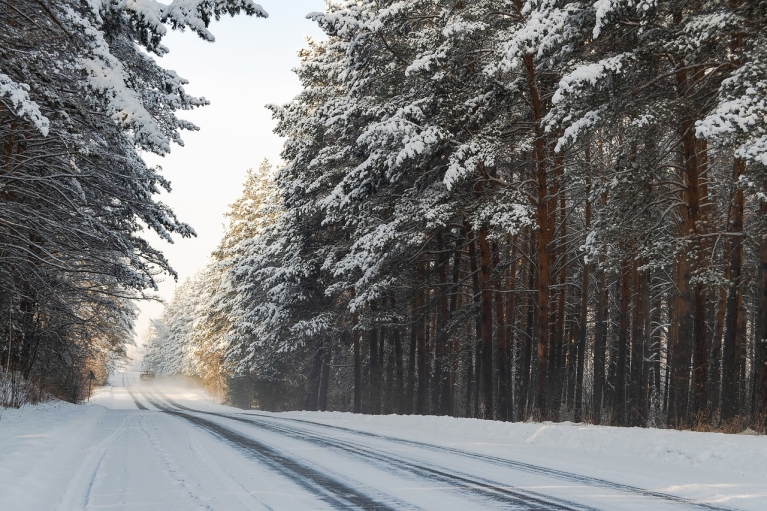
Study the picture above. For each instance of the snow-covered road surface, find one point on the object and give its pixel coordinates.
(166, 447)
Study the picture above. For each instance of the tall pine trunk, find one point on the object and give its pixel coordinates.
(322, 404)
(620, 398)
(357, 365)
(456, 301)
(313, 385)
(486, 314)
(476, 346)
(504, 389)
(542, 207)
(374, 387)
(715, 370)
(442, 349)
(556, 356)
(681, 331)
(581, 343)
(527, 392)
(511, 337)
(399, 393)
(600, 343)
(699, 208)
(760, 408)
(639, 373)
(412, 349)
(422, 404)
(732, 359)
(584, 310)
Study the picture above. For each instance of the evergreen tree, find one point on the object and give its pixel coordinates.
(80, 98)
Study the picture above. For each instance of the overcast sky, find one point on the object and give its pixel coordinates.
(249, 66)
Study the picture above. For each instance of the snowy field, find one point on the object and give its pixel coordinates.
(167, 447)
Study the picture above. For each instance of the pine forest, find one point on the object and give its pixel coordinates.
(501, 209)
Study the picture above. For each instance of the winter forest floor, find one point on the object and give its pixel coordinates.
(162, 446)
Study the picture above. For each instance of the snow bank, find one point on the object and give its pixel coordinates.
(39, 445)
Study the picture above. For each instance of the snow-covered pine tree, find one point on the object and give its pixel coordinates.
(517, 210)
(79, 98)
(642, 69)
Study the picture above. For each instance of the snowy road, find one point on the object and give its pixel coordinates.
(160, 447)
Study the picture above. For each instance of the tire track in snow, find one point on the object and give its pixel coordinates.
(173, 470)
(472, 485)
(135, 399)
(224, 475)
(526, 467)
(78, 490)
(461, 482)
(559, 474)
(332, 491)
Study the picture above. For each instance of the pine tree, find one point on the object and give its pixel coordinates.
(80, 98)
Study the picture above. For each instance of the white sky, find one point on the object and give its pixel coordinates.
(248, 66)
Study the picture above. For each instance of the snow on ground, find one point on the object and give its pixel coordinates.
(167, 446)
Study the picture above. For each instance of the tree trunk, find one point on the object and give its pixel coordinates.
(423, 377)
(732, 359)
(526, 392)
(556, 356)
(680, 335)
(619, 402)
(700, 355)
(469, 356)
(412, 354)
(313, 385)
(544, 237)
(511, 337)
(640, 313)
(690, 319)
(544, 265)
(389, 396)
(476, 290)
(600, 343)
(431, 342)
(383, 396)
(760, 408)
(656, 341)
(583, 318)
(324, 377)
(580, 352)
(700, 220)
(635, 353)
(503, 349)
(440, 397)
(529, 353)
(357, 365)
(486, 363)
(399, 393)
(374, 386)
(647, 341)
(681, 332)
(455, 304)
(715, 376)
